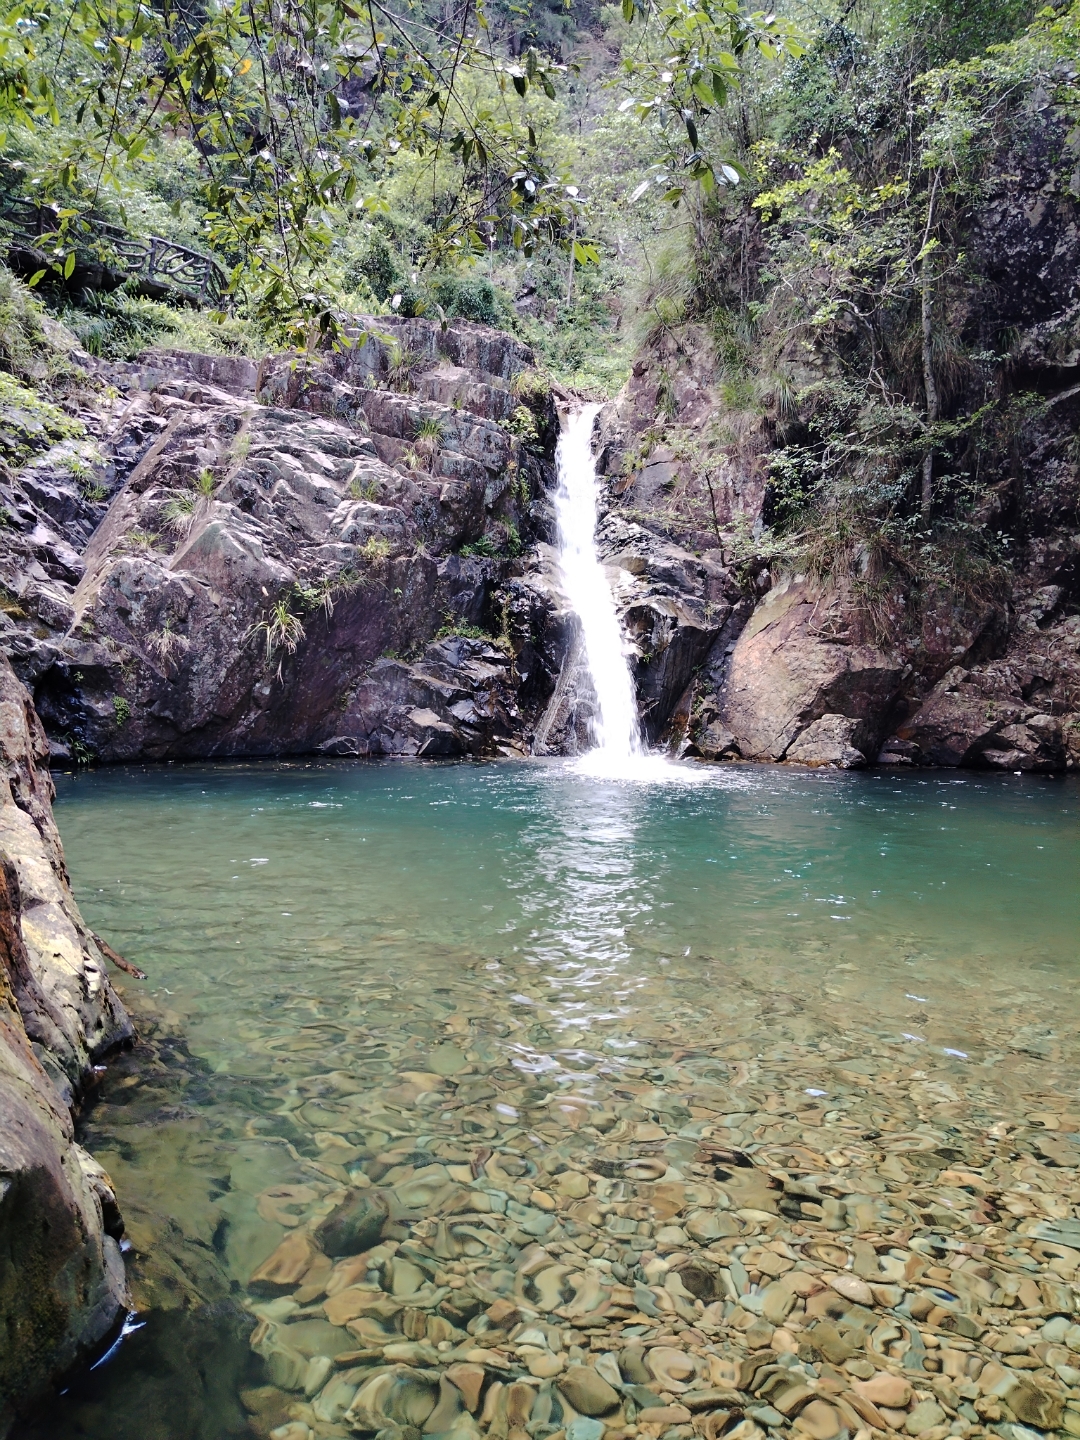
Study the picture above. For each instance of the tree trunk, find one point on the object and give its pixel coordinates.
(570, 276)
(929, 384)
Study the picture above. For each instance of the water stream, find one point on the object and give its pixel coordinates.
(360, 970)
(616, 732)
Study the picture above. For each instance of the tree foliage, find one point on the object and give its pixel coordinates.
(293, 107)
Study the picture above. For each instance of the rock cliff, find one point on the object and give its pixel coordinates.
(815, 676)
(62, 1286)
(291, 557)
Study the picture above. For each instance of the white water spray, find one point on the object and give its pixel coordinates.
(615, 728)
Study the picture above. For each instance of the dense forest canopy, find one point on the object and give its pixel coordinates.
(796, 190)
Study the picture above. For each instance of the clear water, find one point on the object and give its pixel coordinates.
(313, 930)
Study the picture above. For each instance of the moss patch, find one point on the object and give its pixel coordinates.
(29, 424)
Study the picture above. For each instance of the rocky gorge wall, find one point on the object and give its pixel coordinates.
(965, 678)
(351, 553)
(62, 1284)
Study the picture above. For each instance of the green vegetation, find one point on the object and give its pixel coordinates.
(778, 204)
(29, 423)
(121, 711)
(456, 625)
(836, 298)
(280, 631)
(374, 549)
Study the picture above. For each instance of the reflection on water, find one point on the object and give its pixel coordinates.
(562, 958)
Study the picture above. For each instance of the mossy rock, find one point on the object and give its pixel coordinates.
(29, 424)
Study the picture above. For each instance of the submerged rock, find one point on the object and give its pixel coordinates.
(355, 1225)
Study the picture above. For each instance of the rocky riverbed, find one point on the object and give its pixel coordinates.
(802, 1240)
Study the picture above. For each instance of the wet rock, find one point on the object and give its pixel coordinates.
(820, 1420)
(925, 1416)
(287, 1266)
(587, 1391)
(828, 742)
(64, 1287)
(885, 1389)
(469, 1379)
(980, 717)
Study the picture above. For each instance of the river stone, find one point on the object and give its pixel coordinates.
(672, 1368)
(315, 1337)
(587, 1391)
(286, 1266)
(545, 1365)
(892, 1391)
(447, 1410)
(335, 1399)
(704, 1279)
(1033, 1405)
(318, 1372)
(584, 1428)
(925, 1416)
(447, 1060)
(469, 1379)
(355, 1225)
(820, 1420)
(852, 1288)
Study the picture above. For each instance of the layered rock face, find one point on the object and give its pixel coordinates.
(292, 557)
(352, 554)
(62, 1286)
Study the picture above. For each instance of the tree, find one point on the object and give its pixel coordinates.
(292, 105)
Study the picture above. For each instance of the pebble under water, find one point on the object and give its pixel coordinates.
(494, 1099)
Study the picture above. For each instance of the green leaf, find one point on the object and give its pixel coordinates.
(36, 278)
(69, 265)
(628, 8)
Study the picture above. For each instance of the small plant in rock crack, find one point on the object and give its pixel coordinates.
(320, 594)
(401, 366)
(374, 548)
(140, 540)
(121, 711)
(361, 491)
(281, 630)
(179, 512)
(206, 483)
(427, 441)
(167, 644)
(457, 625)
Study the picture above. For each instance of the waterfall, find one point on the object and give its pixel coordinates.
(615, 728)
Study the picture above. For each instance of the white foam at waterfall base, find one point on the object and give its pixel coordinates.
(618, 753)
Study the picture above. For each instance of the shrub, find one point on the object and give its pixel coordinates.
(469, 297)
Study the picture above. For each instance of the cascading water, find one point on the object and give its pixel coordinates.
(615, 728)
